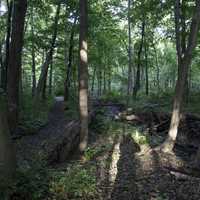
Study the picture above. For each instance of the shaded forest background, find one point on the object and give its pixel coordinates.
(139, 54)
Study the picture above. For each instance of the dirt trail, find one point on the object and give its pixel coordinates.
(30, 149)
(138, 172)
(127, 170)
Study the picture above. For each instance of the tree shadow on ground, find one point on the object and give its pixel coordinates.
(124, 186)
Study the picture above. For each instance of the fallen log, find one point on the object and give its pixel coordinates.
(53, 144)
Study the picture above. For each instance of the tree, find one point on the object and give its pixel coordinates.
(138, 72)
(83, 76)
(33, 55)
(14, 63)
(184, 62)
(129, 53)
(45, 67)
(5, 64)
(68, 60)
(7, 156)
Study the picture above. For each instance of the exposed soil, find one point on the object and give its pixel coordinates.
(140, 172)
(46, 145)
(128, 170)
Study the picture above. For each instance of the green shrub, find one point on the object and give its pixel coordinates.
(34, 117)
(76, 183)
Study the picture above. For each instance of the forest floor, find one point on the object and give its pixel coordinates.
(122, 161)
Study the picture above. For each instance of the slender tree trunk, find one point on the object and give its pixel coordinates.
(146, 70)
(49, 56)
(157, 71)
(129, 86)
(33, 56)
(104, 80)
(109, 79)
(69, 60)
(185, 63)
(14, 64)
(93, 80)
(1, 63)
(50, 78)
(83, 75)
(138, 73)
(7, 155)
(44, 89)
(5, 65)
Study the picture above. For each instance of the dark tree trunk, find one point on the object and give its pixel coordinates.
(93, 80)
(49, 56)
(5, 65)
(109, 79)
(157, 71)
(33, 56)
(146, 71)
(83, 76)
(104, 80)
(7, 155)
(14, 64)
(129, 86)
(50, 78)
(185, 63)
(44, 89)
(138, 73)
(69, 61)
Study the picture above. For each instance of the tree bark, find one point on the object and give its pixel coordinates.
(50, 78)
(93, 80)
(83, 75)
(7, 156)
(129, 86)
(5, 65)
(49, 56)
(157, 70)
(137, 82)
(69, 60)
(185, 63)
(33, 56)
(14, 64)
(146, 70)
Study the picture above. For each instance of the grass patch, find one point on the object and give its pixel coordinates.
(75, 183)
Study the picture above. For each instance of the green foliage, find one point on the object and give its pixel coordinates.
(92, 152)
(99, 123)
(112, 96)
(39, 183)
(32, 116)
(71, 110)
(31, 184)
(75, 183)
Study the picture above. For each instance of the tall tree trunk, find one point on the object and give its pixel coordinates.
(129, 86)
(69, 60)
(157, 70)
(5, 65)
(50, 78)
(138, 73)
(93, 79)
(83, 75)
(44, 89)
(7, 156)
(146, 70)
(185, 63)
(49, 56)
(104, 81)
(33, 56)
(109, 79)
(14, 64)
(1, 64)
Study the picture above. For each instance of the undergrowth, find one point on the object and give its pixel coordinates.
(33, 115)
